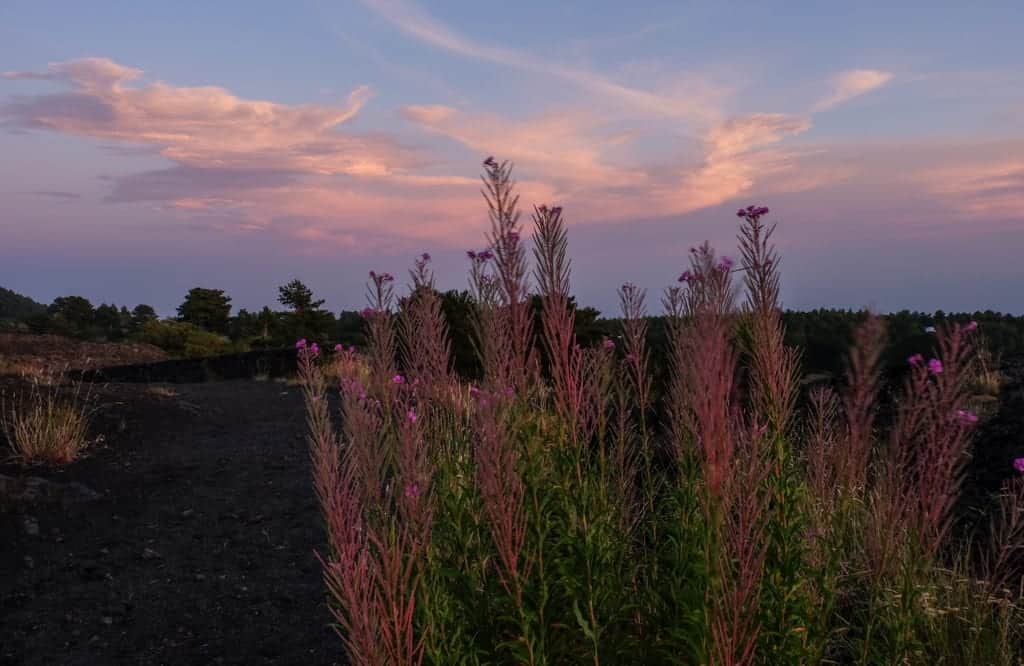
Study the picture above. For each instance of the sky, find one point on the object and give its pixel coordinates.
(150, 147)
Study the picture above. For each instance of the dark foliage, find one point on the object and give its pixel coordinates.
(206, 308)
(15, 306)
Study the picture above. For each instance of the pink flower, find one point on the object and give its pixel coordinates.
(725, 264)
(510, 391)
(351, 349)
(366, 313)
(966, 417)
(473, 390)
(398, 379)
(935, 366)
(425, 256)
(1018, 464)
(608, 343)
(412, 490)
(314, 349)
(971, 325)
(687, 276)
(301, 344)
(411, 414)
(752, 211)
(915, 360)
(556, 211)
(338, 348)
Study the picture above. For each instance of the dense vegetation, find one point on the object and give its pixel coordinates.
(206, 326)
(15, 306)
(556, 509)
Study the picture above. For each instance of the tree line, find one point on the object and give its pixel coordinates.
(205, 324)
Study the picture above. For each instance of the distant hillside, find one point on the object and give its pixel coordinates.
(16, 306)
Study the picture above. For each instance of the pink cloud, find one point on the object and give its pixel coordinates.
(852, 83)
(572, 150)
(563, 148)
(993, 188)
(204, 126)
(738, 155)
(298, 171)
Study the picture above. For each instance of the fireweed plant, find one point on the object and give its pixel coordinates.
(544, 515)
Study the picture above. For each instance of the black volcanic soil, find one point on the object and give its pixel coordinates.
(196, 548)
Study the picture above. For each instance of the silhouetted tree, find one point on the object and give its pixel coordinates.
(206, 308)
(72, 314)
(306, 319)
(142, 314)
(108, 322)
(298, 297)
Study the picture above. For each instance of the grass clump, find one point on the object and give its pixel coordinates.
(46, 423)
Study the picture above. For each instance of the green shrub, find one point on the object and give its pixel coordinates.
(183, 339)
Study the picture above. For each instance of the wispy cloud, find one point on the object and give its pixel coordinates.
(228, 153)
(739, 153)
(852, 83)
(693, 104)
(992, 188)
(57, 194)
(564, 148)
(300, 171)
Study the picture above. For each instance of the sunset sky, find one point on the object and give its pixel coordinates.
(149, 147)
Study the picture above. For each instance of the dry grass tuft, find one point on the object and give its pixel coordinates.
(44, 425)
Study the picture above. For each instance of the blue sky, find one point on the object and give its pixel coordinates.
(151, 147)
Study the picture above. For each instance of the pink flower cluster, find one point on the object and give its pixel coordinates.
(752, 211)
(381, 277)
(1018, 464)
(966, 417)
(934, 364)
(311, 348)
(480, 257)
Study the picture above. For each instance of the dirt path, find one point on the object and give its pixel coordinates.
(197, 549)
